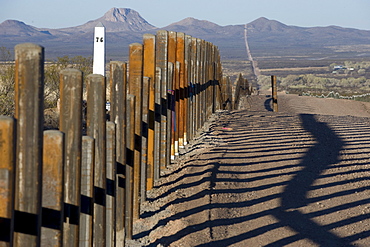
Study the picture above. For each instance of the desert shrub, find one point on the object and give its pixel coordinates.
(51, 79)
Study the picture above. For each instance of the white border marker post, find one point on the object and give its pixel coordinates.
(99, 50)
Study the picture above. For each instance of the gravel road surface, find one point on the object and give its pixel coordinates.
(253, 177)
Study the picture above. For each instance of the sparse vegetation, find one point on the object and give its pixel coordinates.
(7, 78)
(51, 79)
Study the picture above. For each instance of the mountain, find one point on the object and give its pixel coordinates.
(263, 28)
(14, 28)
(192, 25)
(116, 20)
(266, 38)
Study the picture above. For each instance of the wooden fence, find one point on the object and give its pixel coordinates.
(64, 188)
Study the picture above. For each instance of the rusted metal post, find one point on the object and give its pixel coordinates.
(187, 76)
(96, 128)
(29, 97)
(70, 122)
(118, 80)
(198, 85)
(135, 87)
(144, 137)
(223, 93)
(206, 80)
(7, 165)
(157, 124)
(193, 86)
(203, 83)
(130, 142)
(218, 78)
(111, 183)
(52, 189)
(172, 91)
(214, 79)
(274, 94)
(176, 111)
(230, 94)
(161, 62)
(170, 111)
(180, 57)
(149, 71)
(87, 191)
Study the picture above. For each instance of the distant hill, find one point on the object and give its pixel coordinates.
(13, 29)
(267, 38)
(116, 20)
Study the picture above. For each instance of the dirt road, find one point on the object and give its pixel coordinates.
(299, 177)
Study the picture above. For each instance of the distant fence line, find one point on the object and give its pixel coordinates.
(358, 97)
(63, 188)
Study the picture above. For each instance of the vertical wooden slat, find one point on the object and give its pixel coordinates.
(135, 87)
(170, 111)
(70, 122)
(130, 141)
(29, 89)
(7, 165)
(174, 93)
(177, 109)
(87, 191)
(149, 71)
(193, 85)
(157, 124)
(180, 57)
(144, 137)
(187, 80)
(111, 183)
(198, 84)
(161, 62)
(52, 189)
(96, 128)
(118, 80)
(274, 94)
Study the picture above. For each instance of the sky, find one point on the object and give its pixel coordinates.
(160, 13)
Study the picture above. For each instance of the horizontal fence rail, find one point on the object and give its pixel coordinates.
(70, 187)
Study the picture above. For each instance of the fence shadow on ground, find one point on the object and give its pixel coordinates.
(309, 184)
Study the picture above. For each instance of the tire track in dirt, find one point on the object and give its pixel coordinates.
(258, 178)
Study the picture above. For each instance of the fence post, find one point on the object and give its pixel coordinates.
(130, 142)
(208, 81)
(118, 80)
(172, 92)
(7, 165)
(157, 124)
(161, 62)
(52, 189)
(96, 128)
(193, 86)
(29, 92)
(198, 84)
(180, 57)
(149, 71)
(87, 191)
(230, 94)
(144, 137)
(111, 183)
(223, 92)
(218, 78)
(187, 80)
(135, 88)
(170, 111)
(274, 94)
(177, 109)
(214, 80)
(70, 122)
